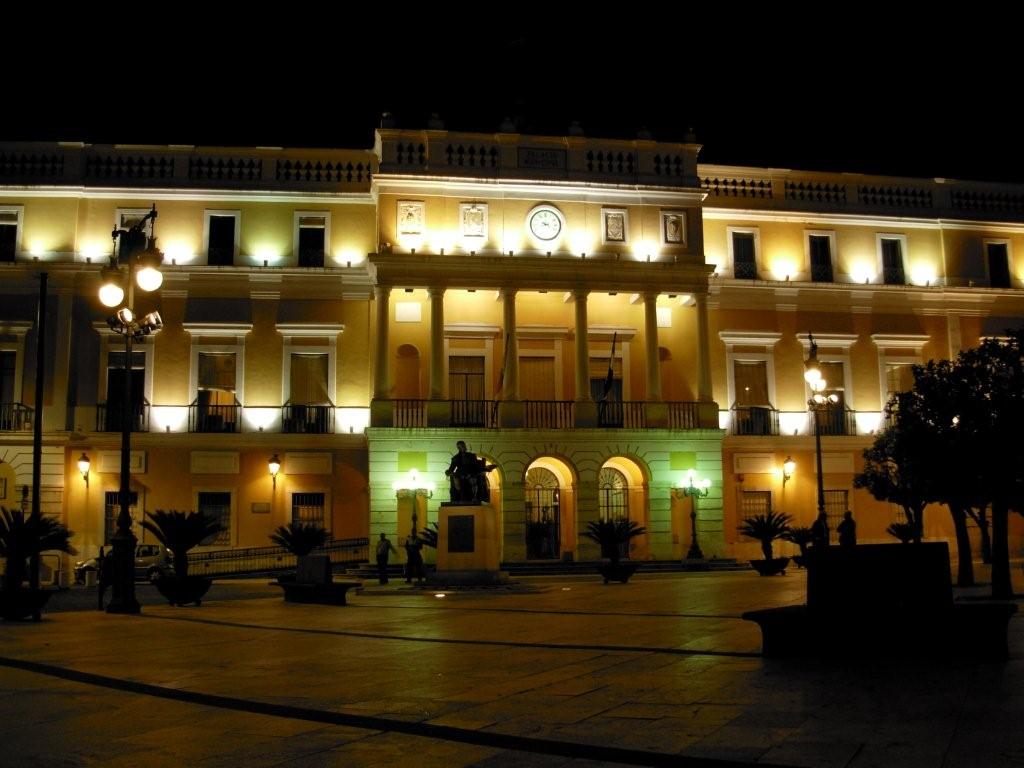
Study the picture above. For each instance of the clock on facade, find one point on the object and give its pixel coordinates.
(545, 223)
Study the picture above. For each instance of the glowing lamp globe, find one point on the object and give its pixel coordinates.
(111, 294)
(149, 278)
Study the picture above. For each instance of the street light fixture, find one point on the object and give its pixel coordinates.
(788, 468)
(695, 489)
(83, 467)
(274, 466)
(136, 264)
(817, 403)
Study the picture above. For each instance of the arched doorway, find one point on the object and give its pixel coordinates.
(622, 495)
(549, 519)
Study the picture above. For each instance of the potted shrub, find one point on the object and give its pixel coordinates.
(766, 529)
(613, 536)
(801, 536)
(905, 532)
(22, 538)
(300, 539)
(180, 533)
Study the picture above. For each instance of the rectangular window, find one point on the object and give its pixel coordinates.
(465, 377)
(751, 379)
(898, 378)
(744, 261)
(312, 237)
(600, 390)
(309, 508)
(116, 391)
(820, 247)
(112, 508)
(220, 250)
(8, 362)
(537, 378)
(998, 265)
(217, 505)
(216, 407)
(308, 379)
(755, 503)
(892, 261)
(836, 503)
(8, 235)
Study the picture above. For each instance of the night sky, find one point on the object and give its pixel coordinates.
(860, 97)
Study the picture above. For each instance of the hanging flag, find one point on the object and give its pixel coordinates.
(611, 371)
(504, 364)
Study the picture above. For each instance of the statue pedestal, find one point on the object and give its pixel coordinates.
(468, 545)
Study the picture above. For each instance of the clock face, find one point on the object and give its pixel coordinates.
(545, 224)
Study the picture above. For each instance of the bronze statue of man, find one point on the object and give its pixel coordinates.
(467, 475)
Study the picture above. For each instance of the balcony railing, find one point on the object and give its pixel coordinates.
(225, 562)
(548, 414)
(307, 419)
(214, 418)
(474, 413)
(108, 418)
(835, 420)
(623, 415)
(410, 413)
(683, 415)
(755, 420)
(15, 417)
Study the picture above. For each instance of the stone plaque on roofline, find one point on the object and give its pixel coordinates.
(542, 159)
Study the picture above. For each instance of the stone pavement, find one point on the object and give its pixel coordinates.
(567, 672)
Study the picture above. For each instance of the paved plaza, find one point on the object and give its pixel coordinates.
(561, 671)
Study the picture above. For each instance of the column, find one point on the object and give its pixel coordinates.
(582, 347)
(436, 342)
(651, 347)
(382, 369)
(704, 393)
(511, 361)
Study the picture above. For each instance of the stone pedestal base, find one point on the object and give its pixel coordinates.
(468, 545)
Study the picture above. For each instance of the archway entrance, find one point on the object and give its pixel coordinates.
(549, 510)
(622, 495)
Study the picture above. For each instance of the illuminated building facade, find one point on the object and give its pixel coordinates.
(606, 321)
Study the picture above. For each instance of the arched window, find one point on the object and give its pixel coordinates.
(613, 494)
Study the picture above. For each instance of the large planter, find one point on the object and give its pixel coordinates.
(773, 567)
(180, 591)
(19, 604)
(620, 571)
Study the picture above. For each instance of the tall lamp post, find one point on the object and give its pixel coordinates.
(137, 260)
(817, 403)
(694, 489)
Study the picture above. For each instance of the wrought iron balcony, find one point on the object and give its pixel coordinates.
(15, 417)
(307, 419)
(548, 414)
(622, 415)
(755, 420)
(108, 417)
(474, 413)
(835, 420)
(683, 415)
(214, 418)
(409, 413)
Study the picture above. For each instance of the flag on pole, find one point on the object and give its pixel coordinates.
(504, 364)
(611, 371)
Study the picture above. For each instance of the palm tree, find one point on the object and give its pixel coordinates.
(612, 534)
(22, 537)
(300, 538)
(799, 535)
(765, 529)
(180, 533)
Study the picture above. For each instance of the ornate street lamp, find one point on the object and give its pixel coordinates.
(818, 403)
(138, 262)
(788, 468)
(694, 489)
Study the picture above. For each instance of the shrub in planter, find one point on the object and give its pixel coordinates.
(300, 539)
(801, 536)
(181, 533)
(23, 537)
(613, 536)
(766, 529)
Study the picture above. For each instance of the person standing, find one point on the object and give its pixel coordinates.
(384, 550)
(847, 530)
(413, 559)
(819, 531)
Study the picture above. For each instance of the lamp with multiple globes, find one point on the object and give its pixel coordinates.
(136, 261)
(694, 489)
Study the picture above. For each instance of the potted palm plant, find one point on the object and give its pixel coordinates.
(802, 537)
(613, 536)
(22, 538)
(301, 539)
(181, 533)
(767, 528)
